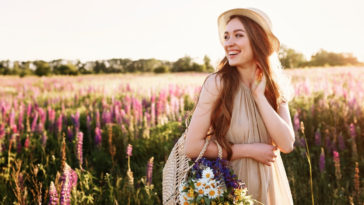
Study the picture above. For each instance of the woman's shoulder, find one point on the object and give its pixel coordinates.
(213, 83)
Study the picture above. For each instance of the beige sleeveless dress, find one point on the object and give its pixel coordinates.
(267, 184)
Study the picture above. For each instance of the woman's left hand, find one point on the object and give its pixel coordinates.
(258, 87)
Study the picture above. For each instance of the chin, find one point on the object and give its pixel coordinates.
(233, 63)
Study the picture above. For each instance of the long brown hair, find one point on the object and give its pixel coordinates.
(229, 76)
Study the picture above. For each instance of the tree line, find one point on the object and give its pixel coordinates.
(288, 57)
(292, 59)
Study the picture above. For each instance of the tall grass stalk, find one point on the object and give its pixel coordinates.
(309, 161)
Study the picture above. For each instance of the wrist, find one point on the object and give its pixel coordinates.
(242, 151)
(259, 98)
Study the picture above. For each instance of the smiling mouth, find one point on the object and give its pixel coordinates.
(233, 53)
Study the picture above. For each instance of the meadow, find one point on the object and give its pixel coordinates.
(104, 139)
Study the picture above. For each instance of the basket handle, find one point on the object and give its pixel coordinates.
(219, 154)
(204, 148)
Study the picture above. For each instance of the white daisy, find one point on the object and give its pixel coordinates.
(201, 191)
(183, 199)
(212, 193)
(182, 186)
(199, 183)
(208, 173)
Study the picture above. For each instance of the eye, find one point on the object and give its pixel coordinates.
(226, 37)
(239, 35)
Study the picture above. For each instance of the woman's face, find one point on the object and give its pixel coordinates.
(236, 44)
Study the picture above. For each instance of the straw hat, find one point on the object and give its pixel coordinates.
(256, 15)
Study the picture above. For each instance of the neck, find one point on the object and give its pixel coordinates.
(247, 73)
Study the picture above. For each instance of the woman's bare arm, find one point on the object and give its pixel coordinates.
(279, 124)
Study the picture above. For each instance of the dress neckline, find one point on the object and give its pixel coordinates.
(244, 86)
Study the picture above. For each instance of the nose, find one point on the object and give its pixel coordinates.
(229, 42)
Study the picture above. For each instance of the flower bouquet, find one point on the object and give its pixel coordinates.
(213, 182)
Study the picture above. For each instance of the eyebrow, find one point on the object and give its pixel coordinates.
(236, 30)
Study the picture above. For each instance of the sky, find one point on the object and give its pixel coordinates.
(167, 29)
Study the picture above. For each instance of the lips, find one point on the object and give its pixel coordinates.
(233, 53)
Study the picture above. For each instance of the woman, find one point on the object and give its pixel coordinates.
(244, 106)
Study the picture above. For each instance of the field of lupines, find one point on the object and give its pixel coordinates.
(104, 139)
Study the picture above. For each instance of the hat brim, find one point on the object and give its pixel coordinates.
(256, 15)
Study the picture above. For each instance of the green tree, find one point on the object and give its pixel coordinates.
(207, 64)
(100, 67)
(183, 64)
(42, 68)
(66, 69)
(25, 69)
(323, 58)
(161, 69)
(290, 58)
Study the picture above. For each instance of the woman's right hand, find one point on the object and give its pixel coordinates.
(263, 153)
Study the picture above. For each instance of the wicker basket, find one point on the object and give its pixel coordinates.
(177, 167)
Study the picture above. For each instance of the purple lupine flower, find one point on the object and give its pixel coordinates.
(79, 147)
(341, 142)
(44, 138)
(29, 110)
(150, 171)
(128, 89)
(66, 186)
(123, 115)
(74, 178)
(40, 127)
(127, 102)
(98, 136)
(98, 119)
(53, 195)
(318, 138)
(129, 150)
(27, 142)
(34, 123)
(352, 130)
(148, 118)
(153, 113)
(21, 117)
(328, 144)
(336, 156)
(322, 160)
(136, 109)
(118, 117)
(123, 129)
(59, 123)
(76, 120)
(69, 133)
(152, 98)
(42, 115)
(159, 108)
(51, 118)
(106, 117)
(88, 123)
(18, 142)
(2, 130)
(144, 103)
(12, 118)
